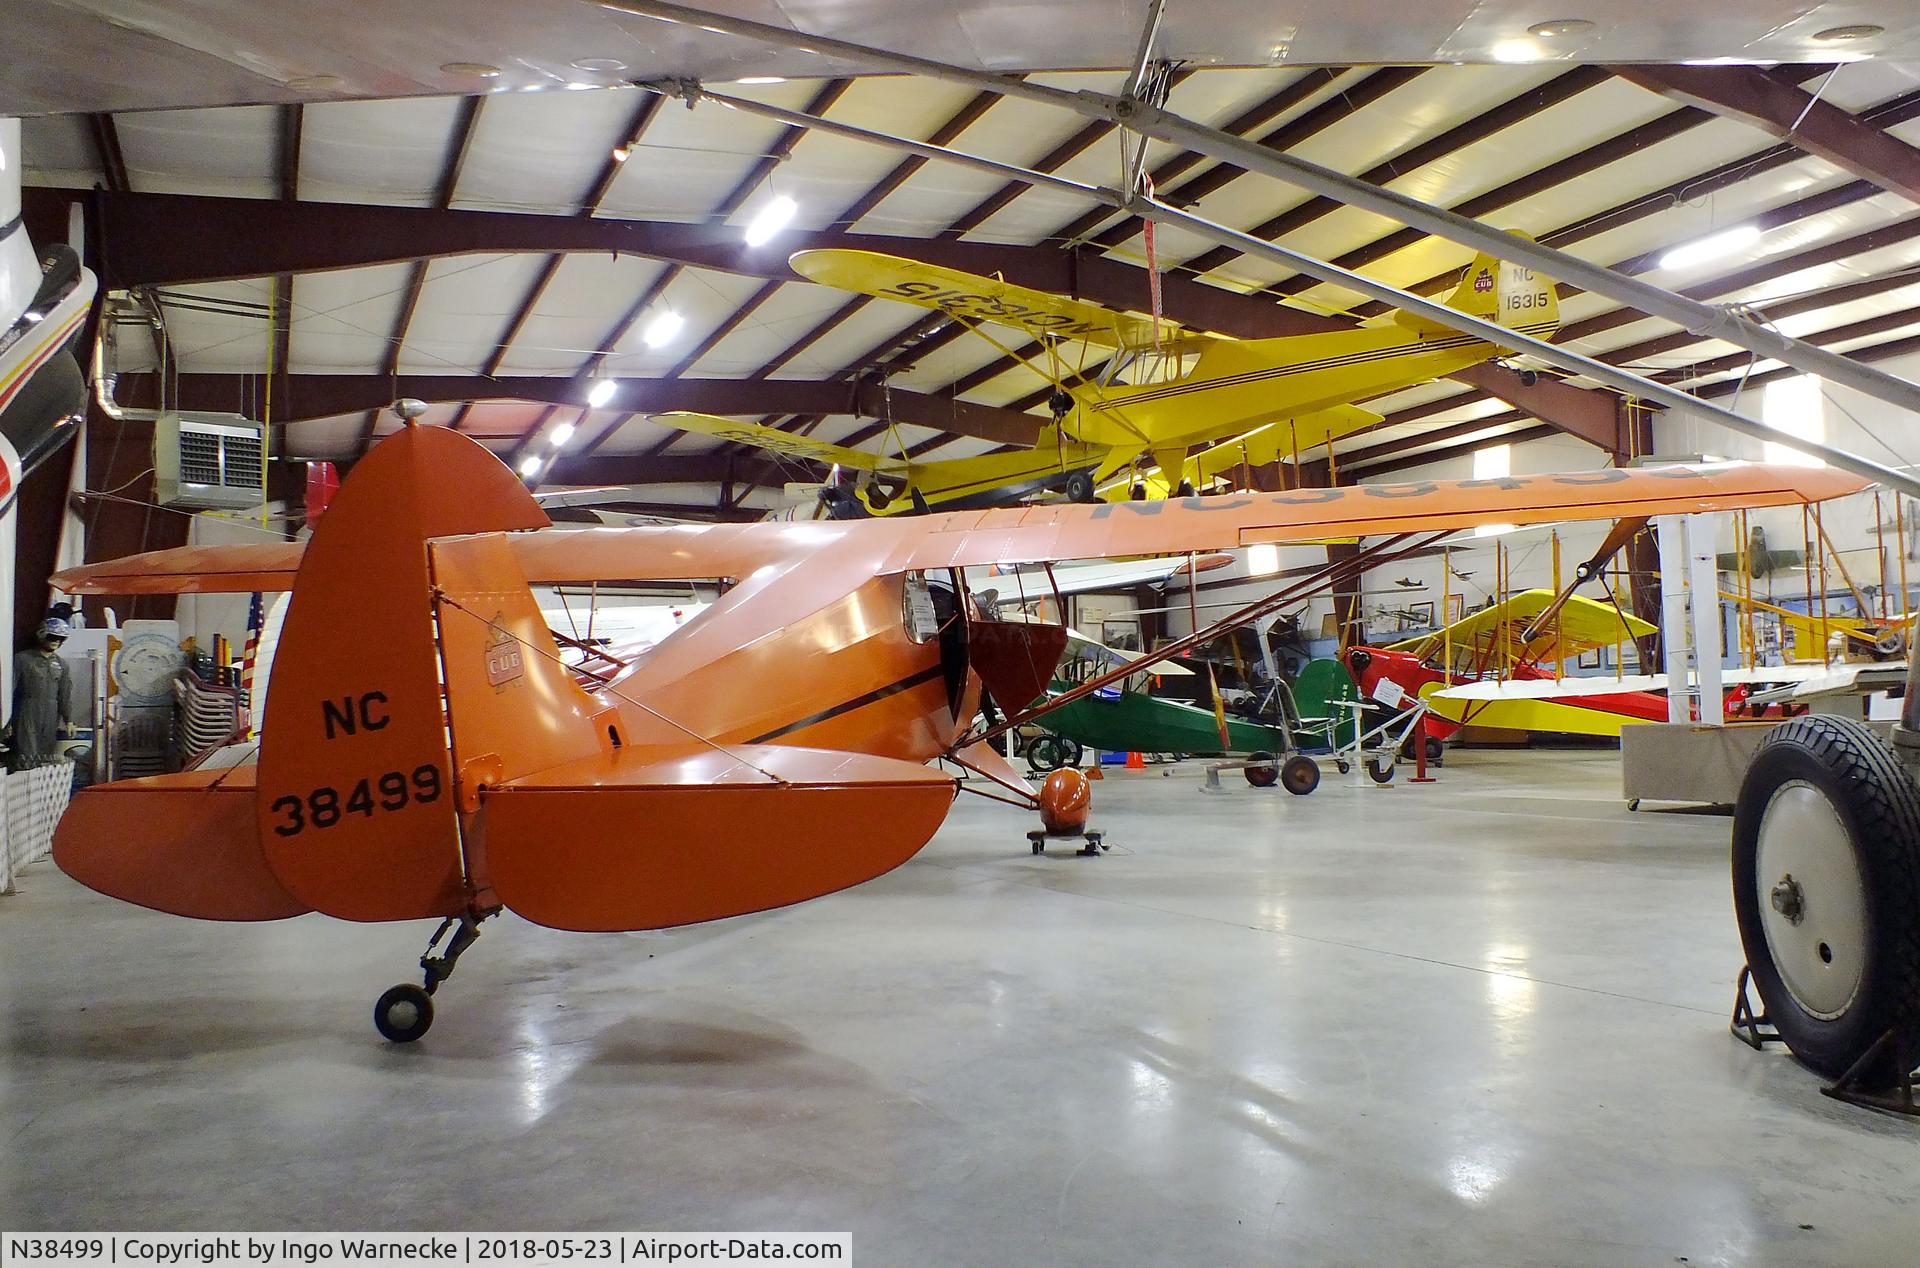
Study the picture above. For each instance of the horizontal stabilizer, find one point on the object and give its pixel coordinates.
(185, 844)
(638, 840)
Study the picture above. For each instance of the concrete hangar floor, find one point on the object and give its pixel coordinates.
(1481, 1022)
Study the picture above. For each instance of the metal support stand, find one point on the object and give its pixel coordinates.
(1856, 1086)
(1095, 841)
(1420, 775)
(1749, 1027)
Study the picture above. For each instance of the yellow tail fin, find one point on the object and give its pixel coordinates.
(1496, 290)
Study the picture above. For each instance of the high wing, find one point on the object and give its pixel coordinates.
(1017, 587)
(1280, 440)
(1581, 625)
(1051, 533)
(774, 440)
(972, 298)
(1606, 685)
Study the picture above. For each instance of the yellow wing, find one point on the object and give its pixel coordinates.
(1281, 440)
(972, 298)
(774, 440)
(1583, 624)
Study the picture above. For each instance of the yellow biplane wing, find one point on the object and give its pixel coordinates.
(1582, 625)
(971, 298)
(774, 440)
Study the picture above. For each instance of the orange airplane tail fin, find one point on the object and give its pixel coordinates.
(356, 805)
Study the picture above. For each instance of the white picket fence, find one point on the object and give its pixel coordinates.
(31, 802)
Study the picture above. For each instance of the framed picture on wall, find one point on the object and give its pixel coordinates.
(1589, 659)
(1422, 613)
(1456, 608)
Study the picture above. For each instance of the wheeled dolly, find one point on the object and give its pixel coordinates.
(1095, 841)
(403, 1013)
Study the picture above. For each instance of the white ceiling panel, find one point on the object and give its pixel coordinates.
(343, 321)
(588, 295)
(376, 151)
(230, 152)
(542, 151)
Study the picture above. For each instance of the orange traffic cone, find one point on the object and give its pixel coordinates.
(1136, 762)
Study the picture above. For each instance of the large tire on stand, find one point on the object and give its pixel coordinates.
(1826, 886)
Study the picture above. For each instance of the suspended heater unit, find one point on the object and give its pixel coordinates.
(207, 461)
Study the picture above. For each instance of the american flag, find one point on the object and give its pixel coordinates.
(255, 618)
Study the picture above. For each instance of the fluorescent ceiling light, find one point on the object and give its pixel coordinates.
(771, 219)
(1517, 51)
(560, 435)
(762, 79)
(601, 392)
(530, 466)
(1711, 247)
(665, 325)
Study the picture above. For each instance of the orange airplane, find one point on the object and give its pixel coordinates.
(773, 749)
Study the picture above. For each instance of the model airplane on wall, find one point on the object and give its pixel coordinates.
(1195, 405)
(775, 748)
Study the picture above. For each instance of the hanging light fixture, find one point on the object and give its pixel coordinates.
(660, 331)
(776, 215)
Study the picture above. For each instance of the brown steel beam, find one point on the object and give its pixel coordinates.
(311, 396)
(1375, 470)
(287, 188)
(1786, 111)
(174, 239)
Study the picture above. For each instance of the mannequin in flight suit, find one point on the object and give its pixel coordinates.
(42, 691)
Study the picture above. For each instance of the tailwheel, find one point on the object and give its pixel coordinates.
(1826, 886)
(403, 1013)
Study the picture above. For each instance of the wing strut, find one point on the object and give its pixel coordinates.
(1384, 552)
(1623, 532)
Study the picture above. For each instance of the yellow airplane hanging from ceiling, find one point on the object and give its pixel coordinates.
(1196, 404)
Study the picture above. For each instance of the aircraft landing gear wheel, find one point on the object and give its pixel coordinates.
(1380, 770)
(1261, 776)
(1051, 752)
(1826, 887)
(1300, 775)
(1436, 750)
(403, 1013)
(1079, 487)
